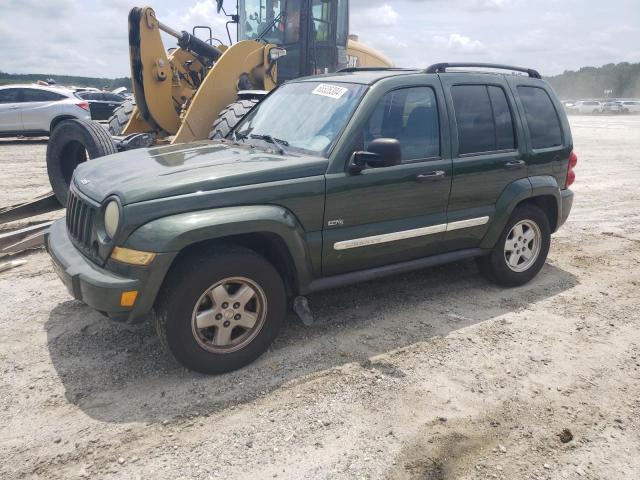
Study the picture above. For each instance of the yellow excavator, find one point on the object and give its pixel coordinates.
(202, 88)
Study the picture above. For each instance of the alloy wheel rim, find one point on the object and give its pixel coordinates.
(229, 315)
(522, 245)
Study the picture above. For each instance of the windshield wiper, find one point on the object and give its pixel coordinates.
(276, 141)
(235, 136)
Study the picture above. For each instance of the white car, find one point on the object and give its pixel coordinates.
(585, 106)
(32, 110)
(612, 106)
(630, 106)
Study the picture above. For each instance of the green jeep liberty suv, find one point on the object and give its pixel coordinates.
(330, 180)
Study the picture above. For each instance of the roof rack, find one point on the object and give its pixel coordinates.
(442, 68)
(374, 69)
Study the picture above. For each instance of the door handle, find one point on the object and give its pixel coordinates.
(430, 176)
(514, 165)
(14, 108)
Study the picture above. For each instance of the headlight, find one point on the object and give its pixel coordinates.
(276, 53)
(111, 218)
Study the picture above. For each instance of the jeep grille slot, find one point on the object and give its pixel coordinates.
(80, 220)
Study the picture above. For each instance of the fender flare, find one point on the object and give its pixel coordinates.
(177, 232)
(514, 194)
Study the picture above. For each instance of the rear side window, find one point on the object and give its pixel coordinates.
(483, 118)
(542, 119)
(32, 95)
(9, 95)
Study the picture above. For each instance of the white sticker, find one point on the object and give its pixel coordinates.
(327, 90)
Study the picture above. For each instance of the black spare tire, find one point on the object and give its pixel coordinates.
(71, 143)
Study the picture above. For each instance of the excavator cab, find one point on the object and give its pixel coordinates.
(314, 33)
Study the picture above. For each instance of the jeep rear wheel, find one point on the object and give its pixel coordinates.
(220, 310)
(521, 250)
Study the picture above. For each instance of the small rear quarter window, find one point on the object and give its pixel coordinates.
(542, 119)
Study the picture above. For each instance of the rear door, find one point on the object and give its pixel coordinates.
(10, 110)
(39, 108)
(387, 215)
(545, 127)
(112, 101)
(99, 106)
(487, 153)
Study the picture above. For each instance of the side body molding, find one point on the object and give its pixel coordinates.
(176, 232)
(515, 193)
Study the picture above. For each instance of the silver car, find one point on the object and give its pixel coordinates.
(32, 110)
(613, 106)
(630, 106)
(584, 107)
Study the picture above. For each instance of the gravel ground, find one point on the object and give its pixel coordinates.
(431, 375)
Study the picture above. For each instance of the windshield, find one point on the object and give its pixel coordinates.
(278, 21)
(305, 116)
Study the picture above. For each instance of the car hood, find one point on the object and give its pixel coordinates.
(146, 174)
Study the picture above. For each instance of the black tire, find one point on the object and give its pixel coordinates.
(229, 117)
(494, 266)
(185, 286)
(70, 143)
(120, 117)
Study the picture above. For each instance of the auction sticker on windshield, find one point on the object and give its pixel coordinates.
(327, 90)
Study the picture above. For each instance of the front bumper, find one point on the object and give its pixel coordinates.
(101, 288)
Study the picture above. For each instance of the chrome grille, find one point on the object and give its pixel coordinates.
(80, 222)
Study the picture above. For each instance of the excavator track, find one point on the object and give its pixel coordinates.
(31, 236)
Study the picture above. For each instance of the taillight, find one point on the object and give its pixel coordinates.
(83, 105)
(571, 175)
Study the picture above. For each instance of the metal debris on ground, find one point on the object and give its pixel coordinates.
(41, 204)
(12, 264)
(23, 239)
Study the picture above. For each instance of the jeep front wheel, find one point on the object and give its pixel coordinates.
(521, 250)
(219, 311)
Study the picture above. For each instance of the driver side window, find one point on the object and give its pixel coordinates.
(409, 115)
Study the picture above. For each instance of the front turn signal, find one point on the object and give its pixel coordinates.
(128, 299)
(132, 257)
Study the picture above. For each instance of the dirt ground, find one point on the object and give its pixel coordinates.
(431, 375)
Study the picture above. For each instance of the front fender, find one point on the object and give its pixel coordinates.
(515, 193)
(176, 232)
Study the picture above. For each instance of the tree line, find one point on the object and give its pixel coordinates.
(67, 80)
(621, 80)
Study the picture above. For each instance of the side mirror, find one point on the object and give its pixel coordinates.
(381, 152)
(219, 5)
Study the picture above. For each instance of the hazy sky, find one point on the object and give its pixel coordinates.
(89, 37)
